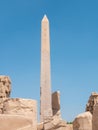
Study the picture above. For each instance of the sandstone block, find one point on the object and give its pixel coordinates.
(59, 127)
(15, 122)
(83, 122)
(54, 124)
(68, 127)
(56, 103)
(22, 107)
(48, 126)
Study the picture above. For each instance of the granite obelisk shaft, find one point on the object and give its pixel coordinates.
(45, 88)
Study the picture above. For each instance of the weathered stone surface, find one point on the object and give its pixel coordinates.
(93, 99)
(83, 122)
(5, 86)
(56, 103)
(95, 118)
(68, 127)
(15, 122)
(58, 125)
(54, 123)
(22, 107)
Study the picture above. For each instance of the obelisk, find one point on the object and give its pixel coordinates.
(45, 84)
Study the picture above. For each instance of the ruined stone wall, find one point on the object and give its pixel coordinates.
(93, 100)
(16, 113)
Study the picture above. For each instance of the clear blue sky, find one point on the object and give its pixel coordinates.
(74, 49)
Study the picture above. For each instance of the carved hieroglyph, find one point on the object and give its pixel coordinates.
(45, 88)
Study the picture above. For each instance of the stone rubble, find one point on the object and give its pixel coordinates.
(21, 114)
(55, 122)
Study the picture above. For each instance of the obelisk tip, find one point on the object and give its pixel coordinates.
(45, 18)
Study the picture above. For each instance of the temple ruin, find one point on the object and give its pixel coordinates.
(21, 114)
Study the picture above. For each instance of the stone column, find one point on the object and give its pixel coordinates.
(45, 88)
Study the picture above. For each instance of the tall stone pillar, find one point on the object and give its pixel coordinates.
(45, 88)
